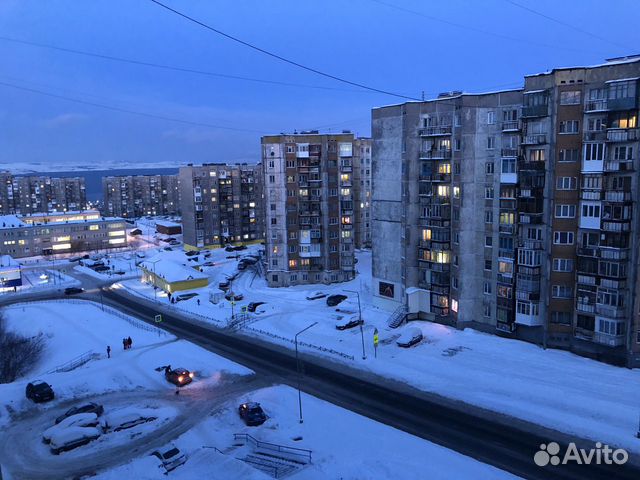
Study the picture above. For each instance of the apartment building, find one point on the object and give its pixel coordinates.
(309, 195)
(220, 204)
(54, 233)
(514, 212)
(40, 194)
(133, 196)
(362, 201)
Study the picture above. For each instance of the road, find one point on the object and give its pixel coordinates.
(503, 442)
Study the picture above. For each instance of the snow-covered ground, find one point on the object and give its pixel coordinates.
(552, 388)
(343, 444)
(39, 280)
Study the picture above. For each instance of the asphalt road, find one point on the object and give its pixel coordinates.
(503, 442)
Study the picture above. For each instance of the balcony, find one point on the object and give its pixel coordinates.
(435, 131)
(506, 253)
(585, 307)
(591, 195)
(624, 226)
(531, 218)
(435, 177)
(537, 139)
(435, 245)
(609, 340)
(595, 136)
(613, 253)
(509, 152)
(535, 111)
(618, 166)
(532, 244)
(529, 320)
(505, 279)
(509, 178)
(511, 126)
(610, 311)
(525, 165)
(628, 103)
(583, 334)
(623, 135)
(613, 196)
(596, 105)
(439, 154)
(507, 228)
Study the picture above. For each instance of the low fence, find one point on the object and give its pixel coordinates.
(302, 453)
(73, 363)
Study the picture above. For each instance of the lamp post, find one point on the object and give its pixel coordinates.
(299, 369)
(364, 355)
(155, 277)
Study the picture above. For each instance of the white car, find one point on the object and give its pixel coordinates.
(72, 437)
(78, 420)
(124, 419)
(409, 337)
(170, 457)
(316, 296)
(140, 254)
(348, 322)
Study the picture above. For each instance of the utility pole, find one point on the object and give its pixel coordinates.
(299, 370)
(364, 355)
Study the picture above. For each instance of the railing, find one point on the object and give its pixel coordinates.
(595, 105)
(623, 135)
(511, 125)
(435, 154)
(437, 130)
(537, 139)
(618, 166)
(535, 111)
(509, 152)
(594, 135)
(301, 453)
(610, 311)
(73, 363)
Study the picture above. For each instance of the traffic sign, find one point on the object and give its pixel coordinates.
(158, 318)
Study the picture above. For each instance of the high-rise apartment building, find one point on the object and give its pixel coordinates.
(132, 196)
(309, 196)
(517, 211)
(220, 204)
(41, 194)
(362, 182)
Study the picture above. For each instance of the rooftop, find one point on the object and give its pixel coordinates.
(171, 270)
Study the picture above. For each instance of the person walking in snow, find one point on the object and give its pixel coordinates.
(124, 343)
(198, 302)
(129, 342)
(108, 351)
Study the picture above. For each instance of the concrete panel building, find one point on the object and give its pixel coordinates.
(134, 196)
(40, 194)
(515, 212)
(309, 196)
(220, 204)
(362, 192)
(48, 234)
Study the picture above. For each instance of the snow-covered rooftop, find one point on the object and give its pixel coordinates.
(171, 270)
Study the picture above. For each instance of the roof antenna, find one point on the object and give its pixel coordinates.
(423, 95)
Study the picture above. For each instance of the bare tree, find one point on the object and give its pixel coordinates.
(17, 354)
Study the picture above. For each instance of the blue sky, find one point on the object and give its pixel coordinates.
(363, 40)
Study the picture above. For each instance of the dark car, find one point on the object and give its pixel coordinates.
(252, 414)
(242, 266)
(100, 268)
(73, 290)
(234, 297)
(334, 300)
(84, 408)
(208, 264)
(240, 247)
(191, 253)
(253, 305)
(224, 286)
(178, 376)
(39, 391)
(249, 260)
(135, 231)
(74, 259)
(119, 272)
(185, 296)
(229, 248)
(168, 249)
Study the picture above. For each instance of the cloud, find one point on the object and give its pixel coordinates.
(65, 119)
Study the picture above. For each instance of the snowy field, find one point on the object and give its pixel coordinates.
(552, 388)
(204, 415)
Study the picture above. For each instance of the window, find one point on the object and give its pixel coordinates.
(488, 168)
(491, 118)
(562, 265)
(274, 262)
(272, 179)
(487, 288)
(569, 126)
(561, 291)
(563, 238)
(610, 327)
(487, 264)
(536, 155)
(488, 241)
(565, 211)
(566, 183)
(488, 216)
(624, 89)
(488, 192)
(570, 98)
(491, 142)
(568, 155)
(563, 318)
(591, 210)
(274, 221)
(487, 309)
(272, 207)
(272, 163)
(508, 165)
(596, 124)
(594, 151)
(457, 144)
(623, 120)
(454, 283)
(623, 153)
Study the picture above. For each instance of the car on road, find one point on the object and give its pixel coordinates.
(100, 268)
(316, 296)
(79, 420)
(124, 420)
(234, 297)
(171, 457)
(74, 259)
(346, 323)
(72, 437)
(249, 260)
(178, 376)
(73, 290)
(254, 305)
(240, 247)
(224, 286)
(39, 391)
(409, 337)
(168, 249)
(334, 300)
(185, 296)
(89, 407)
(208, 264)
(242, 266)
(119, 272)
(252, 414)
(140, 254)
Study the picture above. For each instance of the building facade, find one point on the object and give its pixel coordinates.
(54, 233)
(362, 181)
(40, 194)
(309, 196)
(515, 212)
(134, 196)
(220, 204)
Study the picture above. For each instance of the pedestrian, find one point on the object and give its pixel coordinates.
(108, 351)
(124, 343)
(130, 342)
(198, 302)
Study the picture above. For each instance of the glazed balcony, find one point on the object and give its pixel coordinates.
(435, 131)
(535, 139)
(535, 111)
(437, 154)
(511, 126)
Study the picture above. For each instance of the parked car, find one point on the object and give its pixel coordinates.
(242, 266)
(249, 260)
(334, 300)
(174, 242)
(39, 391)
(253, 305)
(72, 437)
(123, 420)
(79, 420)
(89, 407)
(119, 272)
(240, 247)
(316, 296)
(140, 254)
(229, 248)
(409, 337)
(207, 254)
(348, 322)
(74, 259)
(168, 249)
(234, 297)
(73, 290)
(170, 457)
(208, 264)
(191, 253)
(185, 296)
(178, 376)
(224, 286)
(100, 268)
(252, 414)
(135, 231)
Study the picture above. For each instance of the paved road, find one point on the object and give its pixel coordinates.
(506, 443)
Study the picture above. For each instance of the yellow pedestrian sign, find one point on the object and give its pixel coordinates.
(375, 342)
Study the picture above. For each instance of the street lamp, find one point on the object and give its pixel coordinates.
(298, 367)
(364, 356)
(155, 278)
